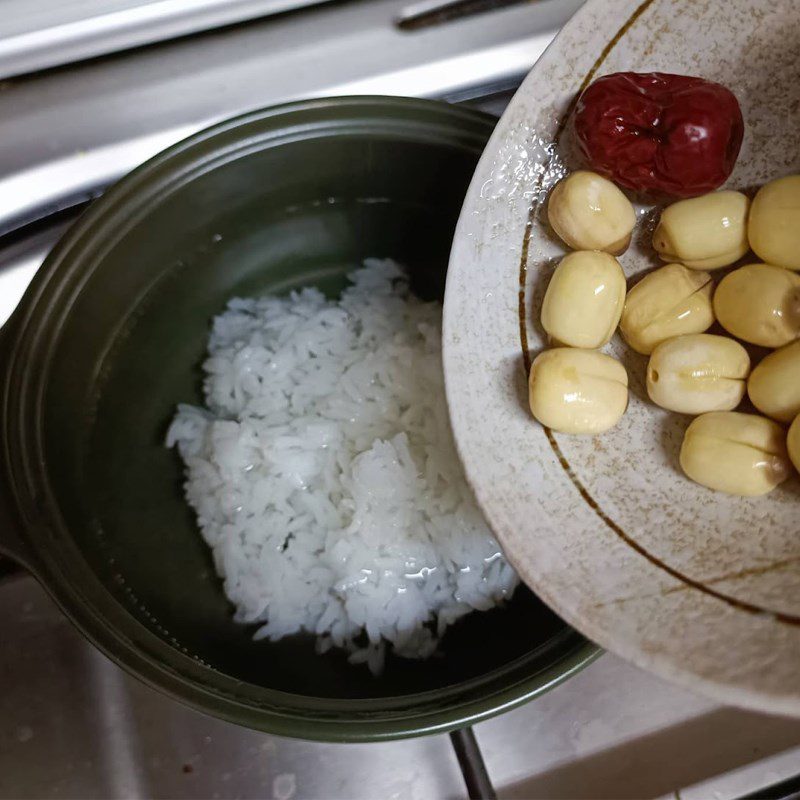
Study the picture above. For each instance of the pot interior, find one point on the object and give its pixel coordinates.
(225, 219)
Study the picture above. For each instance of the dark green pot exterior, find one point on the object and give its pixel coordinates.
(109, 338)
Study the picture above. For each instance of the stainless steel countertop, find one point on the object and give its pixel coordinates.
(67, 133)
(74, 725)
(39, 34)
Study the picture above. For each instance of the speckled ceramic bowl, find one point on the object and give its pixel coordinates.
(699, 587)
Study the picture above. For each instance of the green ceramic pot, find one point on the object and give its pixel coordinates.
(110, 337)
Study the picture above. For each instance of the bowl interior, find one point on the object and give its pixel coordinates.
(267, 219)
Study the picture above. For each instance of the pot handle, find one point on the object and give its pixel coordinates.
(12, 543)
(12, 539)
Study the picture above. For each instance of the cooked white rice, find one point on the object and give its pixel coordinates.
(324, 475)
